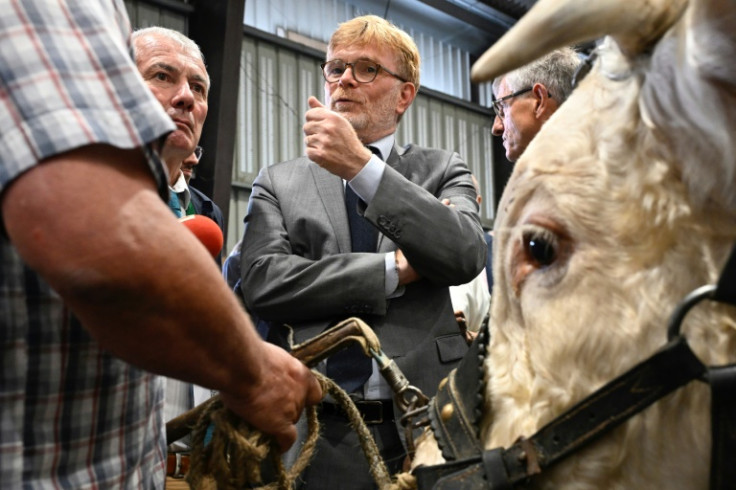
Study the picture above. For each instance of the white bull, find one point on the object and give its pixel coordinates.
(622, 204)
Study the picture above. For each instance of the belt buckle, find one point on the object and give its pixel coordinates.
(379, 411)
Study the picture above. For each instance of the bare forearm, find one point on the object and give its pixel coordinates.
(115, 253)
(91, 223)
(182, 323)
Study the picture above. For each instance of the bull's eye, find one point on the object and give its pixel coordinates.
(540, 248)
(540, 254)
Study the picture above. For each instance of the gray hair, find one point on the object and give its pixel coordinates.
(187, 44)
(554, 70)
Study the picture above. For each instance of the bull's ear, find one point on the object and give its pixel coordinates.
(551, 24)
(689, 95)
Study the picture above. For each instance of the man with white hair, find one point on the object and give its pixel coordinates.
(172, 65)
(89, 256)
(526, 97)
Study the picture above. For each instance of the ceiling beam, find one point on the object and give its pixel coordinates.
(513, 8)
(493, 23)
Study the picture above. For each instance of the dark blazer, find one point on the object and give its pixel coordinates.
(205, 206)
(298, 268)
(489, 262)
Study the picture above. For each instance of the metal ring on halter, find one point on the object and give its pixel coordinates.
(695, 297)
(410, 424)
(411, 397)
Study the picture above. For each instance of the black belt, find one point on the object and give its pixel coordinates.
(373, 411)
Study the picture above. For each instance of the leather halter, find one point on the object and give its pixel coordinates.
(455, 411)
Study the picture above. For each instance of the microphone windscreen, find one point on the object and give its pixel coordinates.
(206, 230)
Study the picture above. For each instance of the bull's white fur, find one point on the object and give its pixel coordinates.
(640, 215)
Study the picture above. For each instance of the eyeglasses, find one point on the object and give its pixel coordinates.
(498, 107)
(364, 71)
(198, 151)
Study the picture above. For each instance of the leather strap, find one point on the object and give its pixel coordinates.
(723, 396)
(456, 410)
(457, 475)
(373, 411)
(723, 423)
(495, 470)
(668, 369)
(673, 366)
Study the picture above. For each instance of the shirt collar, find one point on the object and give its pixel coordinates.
(384, 146)
(182, 190)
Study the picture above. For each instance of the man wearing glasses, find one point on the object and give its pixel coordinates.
(200, 203)
(525, 98)
(312, 257)
(188, 165)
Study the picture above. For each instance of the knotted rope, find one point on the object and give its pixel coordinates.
(237, 454)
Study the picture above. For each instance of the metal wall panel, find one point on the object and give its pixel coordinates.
(277, 79)
(445, 67)
(143, 14)
(247, 147)
(485, 94)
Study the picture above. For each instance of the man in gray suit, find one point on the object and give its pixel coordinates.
(306, 262)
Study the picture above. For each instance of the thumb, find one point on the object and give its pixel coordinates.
(314, 102)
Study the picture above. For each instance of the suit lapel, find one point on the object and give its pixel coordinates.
(331, 193)
(397, 161)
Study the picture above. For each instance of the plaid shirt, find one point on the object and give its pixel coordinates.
(71, 415)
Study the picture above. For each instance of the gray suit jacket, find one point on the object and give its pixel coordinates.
(298, 268)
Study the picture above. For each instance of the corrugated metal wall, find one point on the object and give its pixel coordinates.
(143, 14)
(445, 67)
(276, 80)
(278, 76)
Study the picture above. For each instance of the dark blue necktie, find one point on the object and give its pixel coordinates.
(351, 368)
(363, 235)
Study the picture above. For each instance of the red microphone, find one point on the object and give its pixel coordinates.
(206, 230)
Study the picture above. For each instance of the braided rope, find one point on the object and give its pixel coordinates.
(378, 469)
(405, 481)
(237, 455)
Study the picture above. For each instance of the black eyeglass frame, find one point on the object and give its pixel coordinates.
(496, 104)
(352, 67)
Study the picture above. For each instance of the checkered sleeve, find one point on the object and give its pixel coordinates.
(67, 79)
(71, 415)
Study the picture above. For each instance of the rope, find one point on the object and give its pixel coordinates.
(378, 469)
(237, 455)
(405, 481)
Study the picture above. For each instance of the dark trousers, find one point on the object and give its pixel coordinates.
(339, 461)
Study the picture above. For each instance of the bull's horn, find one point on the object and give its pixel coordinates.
(551, 24)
